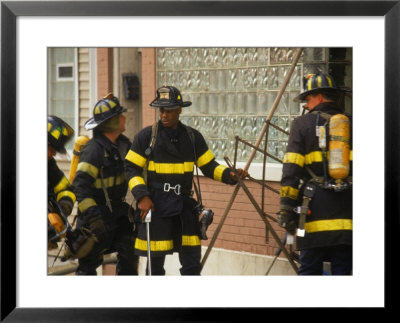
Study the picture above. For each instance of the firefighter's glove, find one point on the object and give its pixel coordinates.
(97, 227)
(287, 220)
(206, 218)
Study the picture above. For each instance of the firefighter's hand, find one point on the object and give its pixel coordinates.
(145, 204)
(287, 220)
(241, 172)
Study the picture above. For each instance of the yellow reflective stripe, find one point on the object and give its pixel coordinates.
(62, 185)
(162, 245)
(120, 179)
(218, 171)
(290, 192)
(135, 181)
(85, 204)
(314, 156)
(190, 241)
(88, 169)
(66, 194)
(294, 158)
(110, 181)
(164, 168)
(328, 225)
(205, 158)
(135, 158)
(188, 167)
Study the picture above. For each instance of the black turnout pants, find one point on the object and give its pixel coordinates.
(119, 238)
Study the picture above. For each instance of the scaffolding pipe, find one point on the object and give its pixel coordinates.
(263, 130)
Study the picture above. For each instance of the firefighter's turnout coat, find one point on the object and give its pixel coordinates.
(170, 163)
(101, 173)
(330, 220)
(59, 188)
(101, 167)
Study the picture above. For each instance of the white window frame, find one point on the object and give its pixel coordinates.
(65, 79)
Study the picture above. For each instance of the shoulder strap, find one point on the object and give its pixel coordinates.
(192, 139)
(149, 150)
(324, 115)
(154, 131)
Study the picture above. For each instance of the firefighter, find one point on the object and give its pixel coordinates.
(100, 185)
(325, 203)
(60, 193)
(167, 191)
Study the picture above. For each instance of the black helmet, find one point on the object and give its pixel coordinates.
(104, 109)
(317, 82)
(169, 97)
(58, 133)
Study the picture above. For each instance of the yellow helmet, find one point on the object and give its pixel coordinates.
(58, 133)
(104, 110)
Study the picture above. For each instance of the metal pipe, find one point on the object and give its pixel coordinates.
(71, 267)
(274, 106)
(235, 192)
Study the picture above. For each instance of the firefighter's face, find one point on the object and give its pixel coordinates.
(312, 101)
(170, 117)
(122, 119)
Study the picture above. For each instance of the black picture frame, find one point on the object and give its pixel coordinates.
(10, 10)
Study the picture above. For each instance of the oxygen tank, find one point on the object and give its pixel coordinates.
(79, 143)
(339, 146)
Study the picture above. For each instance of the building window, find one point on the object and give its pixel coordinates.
(65, 72)
(62, 86)
(233, 90)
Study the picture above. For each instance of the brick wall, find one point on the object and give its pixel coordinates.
(104, 71)
(243, 229)
(148, 85)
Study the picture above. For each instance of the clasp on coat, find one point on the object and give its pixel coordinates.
(176, 188)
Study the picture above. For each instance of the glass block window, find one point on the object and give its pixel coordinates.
(233, 90)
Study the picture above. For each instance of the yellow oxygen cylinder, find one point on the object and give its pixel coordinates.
(339, 146)
(79, 143)
(57, 222)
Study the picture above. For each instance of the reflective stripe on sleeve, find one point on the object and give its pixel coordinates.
(68, 194)
(205, 158)
(135, 158)
(135, 181)
(294, 158)
(218, 171)
(85, 204)
(290, 192)
(88, 168)
(62, 185)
